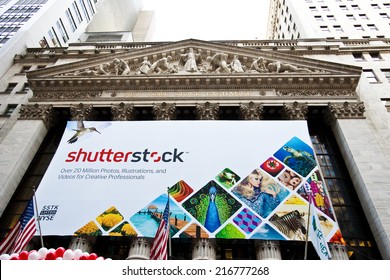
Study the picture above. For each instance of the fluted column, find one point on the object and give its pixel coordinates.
(207, 111)
(123, 112)
(19, 146)
(139, 249)
(251, 111)
(268, 250)
(203, 249)
(82, 112)
(85, 244)
(294, 111)
(338, 251)
(164, 112)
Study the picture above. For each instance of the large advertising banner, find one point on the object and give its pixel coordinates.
(224, 179)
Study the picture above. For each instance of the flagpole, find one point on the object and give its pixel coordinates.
(308, 227)
(37, 216)
(169, 230)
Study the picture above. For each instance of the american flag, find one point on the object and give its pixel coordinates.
(21, 233)
(159, 250)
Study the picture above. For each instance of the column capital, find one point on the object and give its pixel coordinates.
(36, 111)
(344, 110)
(251, 111)
(295, 111)
(164, 111)
(207, 111)
(82, 112)
(123, 112)
(204, 249)
(139, 249)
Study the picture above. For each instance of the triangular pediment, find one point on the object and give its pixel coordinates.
(183, 60)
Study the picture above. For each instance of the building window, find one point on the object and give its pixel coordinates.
(372, 27)
(331, 17)
(355, 7)
(384, 15)
(62, 30)
(375, 6)
(370, 76)
(25, 68)
(10, 109)
(324, 28)
(70, 18)
(318, 18)
(351, 17)
(53, 37)
(325, 8)
(375, 56)
(84, 9)
(337, 28)
(358, 56)
(359, 27)
(363, 16)
(10, 88)
(77, 12)
(24, 89)
(313, 9)
(386, 72)
(343, 8)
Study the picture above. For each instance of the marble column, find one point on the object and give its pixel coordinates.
(139, 249)
(338, 251)
(203, 249)
(85, 244)
(268, 250)
(20, 145)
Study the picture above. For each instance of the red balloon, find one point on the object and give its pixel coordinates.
(59, 253)
(23, 255)
(92, 257)
(50, 256)
(83, 258)
(14, 258)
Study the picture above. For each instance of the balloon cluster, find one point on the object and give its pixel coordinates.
(52, 254)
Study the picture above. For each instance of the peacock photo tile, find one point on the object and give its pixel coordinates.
(297, 155)
(260, 192)
(212, 206)
(227, 178)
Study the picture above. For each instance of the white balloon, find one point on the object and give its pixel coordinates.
(69, 255)
(14, 255)
(42, 252)
(108, 259)
(51, 250)
(5, 257)
(77, 253)
(59, 259)
(33, 256)
(100, 259)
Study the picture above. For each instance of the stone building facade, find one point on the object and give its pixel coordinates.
(313, 80)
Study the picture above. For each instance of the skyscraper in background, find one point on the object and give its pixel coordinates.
(49, 23)
(339, 19)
